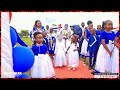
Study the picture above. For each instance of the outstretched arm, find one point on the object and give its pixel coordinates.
(68, 49)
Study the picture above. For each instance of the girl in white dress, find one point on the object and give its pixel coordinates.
(73, 55)
(104, 55)
(60, 59)
(115, 62)
(42, 67)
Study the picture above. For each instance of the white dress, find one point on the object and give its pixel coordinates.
(83, 30)
(73, 56)
(104, 61)
(42, 67)
(84, 48)
(60, 58)
(68, 41)
(66, 33)
(115, 60)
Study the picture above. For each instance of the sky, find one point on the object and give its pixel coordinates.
(26, 20)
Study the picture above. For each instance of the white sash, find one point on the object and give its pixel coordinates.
(93, 42)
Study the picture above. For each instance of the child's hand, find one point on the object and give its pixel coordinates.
(51, 41)
(75, 50)
(66, 37)
(65, 52)
(110, 53)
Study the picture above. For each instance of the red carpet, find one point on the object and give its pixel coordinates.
(81, 72)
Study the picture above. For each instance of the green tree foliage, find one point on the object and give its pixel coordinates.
(24, 33)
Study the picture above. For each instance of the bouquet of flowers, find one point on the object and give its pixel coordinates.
(65, 34)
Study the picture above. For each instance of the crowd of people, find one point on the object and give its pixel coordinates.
(70, 43)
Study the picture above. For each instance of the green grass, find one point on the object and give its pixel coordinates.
(27, 41)
(86, 61)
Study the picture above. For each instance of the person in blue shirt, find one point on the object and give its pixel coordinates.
(115, 54)
(42, 67)
(79, 34)
(99, 27)
(98, 32)
(86, 39)
(36, 28)
(35, 48)
(92, 48)
(45, 39)
(78, 31)
(117, 39)
(52, 43)
(104, 55)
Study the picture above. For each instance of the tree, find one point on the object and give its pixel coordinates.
(24, 33)
(20, 34)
